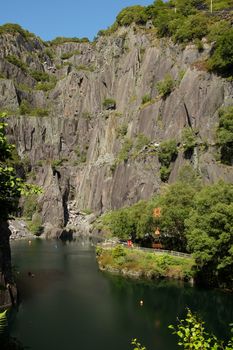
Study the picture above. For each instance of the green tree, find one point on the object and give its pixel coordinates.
(225, 134)
(11, 188)
(176, 204)
(221, 60)
(132, 14)
(209, 231)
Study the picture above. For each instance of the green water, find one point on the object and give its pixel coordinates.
(69, 304)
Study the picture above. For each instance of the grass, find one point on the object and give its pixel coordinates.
(145, 264)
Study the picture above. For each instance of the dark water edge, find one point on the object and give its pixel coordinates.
(67, 303)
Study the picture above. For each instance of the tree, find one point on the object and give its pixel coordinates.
(11, 188)
(225, 135)
(221, 60)
(176, 204)
(209, 231)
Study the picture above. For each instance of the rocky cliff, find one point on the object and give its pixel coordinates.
(94, 118)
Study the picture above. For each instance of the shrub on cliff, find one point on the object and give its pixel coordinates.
(128, 15)
(225, 135)
(221, 61)
(11, 187)
(165, 86)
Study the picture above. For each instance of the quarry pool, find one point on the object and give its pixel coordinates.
(68, 304)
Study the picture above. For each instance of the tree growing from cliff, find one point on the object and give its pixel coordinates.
(11, 188)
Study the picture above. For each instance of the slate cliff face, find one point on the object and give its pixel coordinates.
(87, 155)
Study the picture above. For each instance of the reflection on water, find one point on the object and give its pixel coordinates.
(69, 304)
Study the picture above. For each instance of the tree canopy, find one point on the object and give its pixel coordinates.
(11, 186)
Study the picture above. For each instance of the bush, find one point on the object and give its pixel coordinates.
(123, 155)
(167, 152)
(17, 62)
(15, 29)
(35, 226)
(61, 40)
(146, 98)
(39, 75)
(30, 206)
(221, 60)
(109, 103)
(164, 173)
(46, 85)
(122, 130)
(67, 55)
(193, 335)
(225, 135)
(188, 140)
(132, 14)
(141, 141)
(166, 86)
(24, 107)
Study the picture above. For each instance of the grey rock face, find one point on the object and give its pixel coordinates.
(76, 152)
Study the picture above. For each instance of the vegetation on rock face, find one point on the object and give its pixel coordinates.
(12, 28)
(61, 40)
(167, 154)
(188, 141)
(186, 21)
(165, 86)
(11, 187)
(109, 103)
(225, 135)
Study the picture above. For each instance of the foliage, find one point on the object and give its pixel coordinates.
(165, 86)
(165, 172)
(17, 62)
(30, 206)
(225, 135)
(124, 152)
(26, 109)
(68, 55)
(12, 28)
(35, 225)
(167, 152)
(39, 75)
(146, 264)
(11, 187)
(176, 204)
(109, 103)
(3, 321)
(61, 40)
(122, 130)
(194, 27)
(210, 235)
(193, 335)
(146, 98)
(81, 155)
(128, 15)
(141, 141)
(221, 60)
(137, 345)
(188, 140)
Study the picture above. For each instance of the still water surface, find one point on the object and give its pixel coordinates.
(69, 304)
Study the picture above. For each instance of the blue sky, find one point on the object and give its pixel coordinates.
(70, 18)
